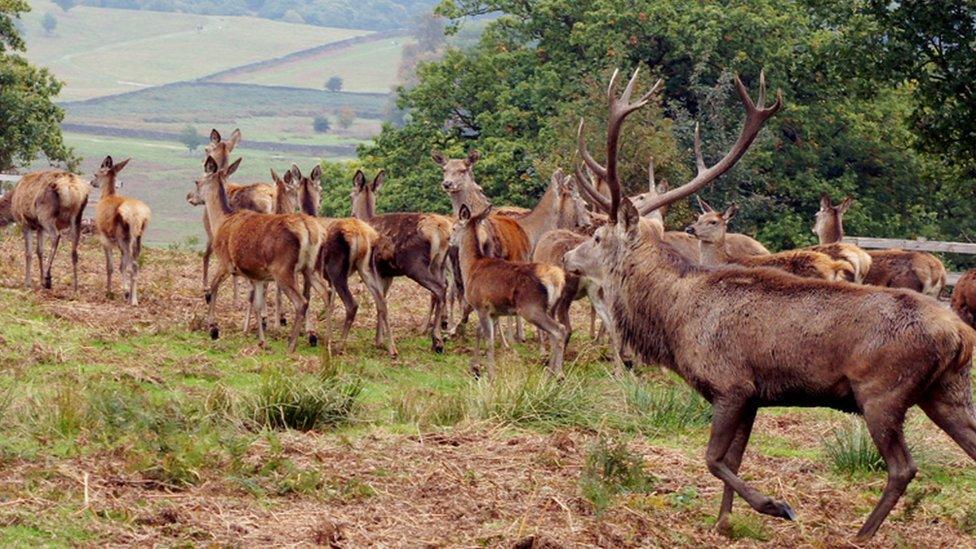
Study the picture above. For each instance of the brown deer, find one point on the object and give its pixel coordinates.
(919, 271)
(256, 197)
(47, 202)
(872, 351)
(120, 223)
(859, 259)
(710, 231)
(964, 298)
(413, 245)
(348, 245)
(497, 287)
(261, 247)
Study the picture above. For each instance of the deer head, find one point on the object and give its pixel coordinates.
(309, 188)
(213, 180)
(220, 149)
(363, 194)
(829, 220)
(288, 189)
(106, 175)
(711, 225)
(458, 181)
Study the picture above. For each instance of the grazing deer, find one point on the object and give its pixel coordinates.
(348, 245)
(964, 298)
(413, 245)
(751, 338)
(120, 223)
(256, 197)
(710, 231)
(919, 271)
(47, 202)
(261, 247)
(497, 287)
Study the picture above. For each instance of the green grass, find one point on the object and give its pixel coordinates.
(850, 449)
(101, 51)
(369, 67)
(611, 469)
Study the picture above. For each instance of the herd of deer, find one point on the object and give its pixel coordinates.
(830, 325)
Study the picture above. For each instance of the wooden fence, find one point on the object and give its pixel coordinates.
(920, 245)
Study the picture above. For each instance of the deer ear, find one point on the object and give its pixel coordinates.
(296, 173)
(628, 215)
(316, 174)
(379, 180)
(824, 201)
(359, 180)
(107, 163)
(210, 165)
(214, 136)
(705, 208)
(730, 212)
(438, 157)
(229, 171)
(120, 166)
(473, 157)
(845, 205)
(464, 212)
(235, 138)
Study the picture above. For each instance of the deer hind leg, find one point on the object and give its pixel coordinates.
(39, 250)
(733, 458)
(727, 417)
(556, 332)
(950, 406)
(249, 310)
(339, 276)
(56, 240)
(885, 425)
(486, 332)
(108, 270)
(380, 325)
(235, 290)
(75, 238)
(371, 279)
(497, 325)
(282, 321)
(134, 282)
(257, 305)
(27, 257)
(126, 266)
(434, 284)
(321, 286)
(289, 285)
(206, 266)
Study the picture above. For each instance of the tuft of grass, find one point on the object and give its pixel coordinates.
(611, 469)
(533, 398)
(302, 402)
(428, 408)
(850, 449)
(664, 408)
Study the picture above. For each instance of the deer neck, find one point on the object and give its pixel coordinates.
(364, 206)
(308, 205)
(108, 188)
(283, 201)
(6, 209)
(713, 253)
(832, 231)
(217, 204)
(469, 250)
(543, 218)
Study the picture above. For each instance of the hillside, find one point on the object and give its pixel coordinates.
(130, 426)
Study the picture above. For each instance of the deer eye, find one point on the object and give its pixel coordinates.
(596, 239)
(713, 222)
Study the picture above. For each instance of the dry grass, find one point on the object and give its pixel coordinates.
(405, 472)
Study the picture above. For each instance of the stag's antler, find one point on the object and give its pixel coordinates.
(593, 195)
(620, 109)
(756, 117)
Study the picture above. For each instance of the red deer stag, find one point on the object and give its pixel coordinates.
(413, 245)
(496, 287)
(120, 223)
(710, 231)
(872, 351)
(47, 202)
(919, 271)
(964, 298)
(348, 245)
(262, 247)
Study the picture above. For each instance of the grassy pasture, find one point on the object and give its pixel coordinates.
(369, 67)
(124, 426)
(102, 51)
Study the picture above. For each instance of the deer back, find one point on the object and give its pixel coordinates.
(52, 199)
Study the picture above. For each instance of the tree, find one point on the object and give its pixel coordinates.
(66, 5)
(346, 117)
(334, 84)
(29, 119)
(49, 23)
(191, 138)
(321, 124)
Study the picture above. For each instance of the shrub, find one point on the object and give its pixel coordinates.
(851, 450)
(427, 408)
(533, 398)
(611, 469)
(670, 407)
(302, 402)
(321, 124)
(334, 83)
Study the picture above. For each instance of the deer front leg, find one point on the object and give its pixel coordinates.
(75, 239)
(39, 249)
(108, 271)
(257, 306)
(734, 459)
(885, 426)
(27, 258)
(222, 273)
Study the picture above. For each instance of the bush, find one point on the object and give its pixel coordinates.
(321, 124)
(534, 398)
(302, 402)
(611, 469)
(334, 84)
(851, 450)
(671, 407)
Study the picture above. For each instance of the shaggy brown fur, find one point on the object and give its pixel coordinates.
(496, 287)
(120, 223)
(414, 245)
(859, 260)
(47, 202)
(918, 271)
(749, 338)
(964, 298)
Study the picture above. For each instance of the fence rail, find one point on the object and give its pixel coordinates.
(919, 245)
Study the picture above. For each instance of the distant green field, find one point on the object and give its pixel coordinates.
(370, 67)
(161, 173)
(101, 51)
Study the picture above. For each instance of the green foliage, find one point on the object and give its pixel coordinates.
(321, 124)
(334, 84)
(850, 449)
(664, 408)
(289, 400)
(531, 397)
(346, 117)
(191, 138)
(611, 469)
(29, 119)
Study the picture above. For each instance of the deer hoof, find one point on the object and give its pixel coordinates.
(283, 321)
(779, 509)
(207, 297)
(629, 364)
(214, 332)
(438, 347)
(313, 340)
(264, 323)
(47, 282)
(126, 294)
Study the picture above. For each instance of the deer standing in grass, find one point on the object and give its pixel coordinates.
(47, 202)
(918, 271)
(261, 247)
(348, 245)
(413, 245)
(120, 223)
(750, 338)
(710, 231)
(497, 287)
